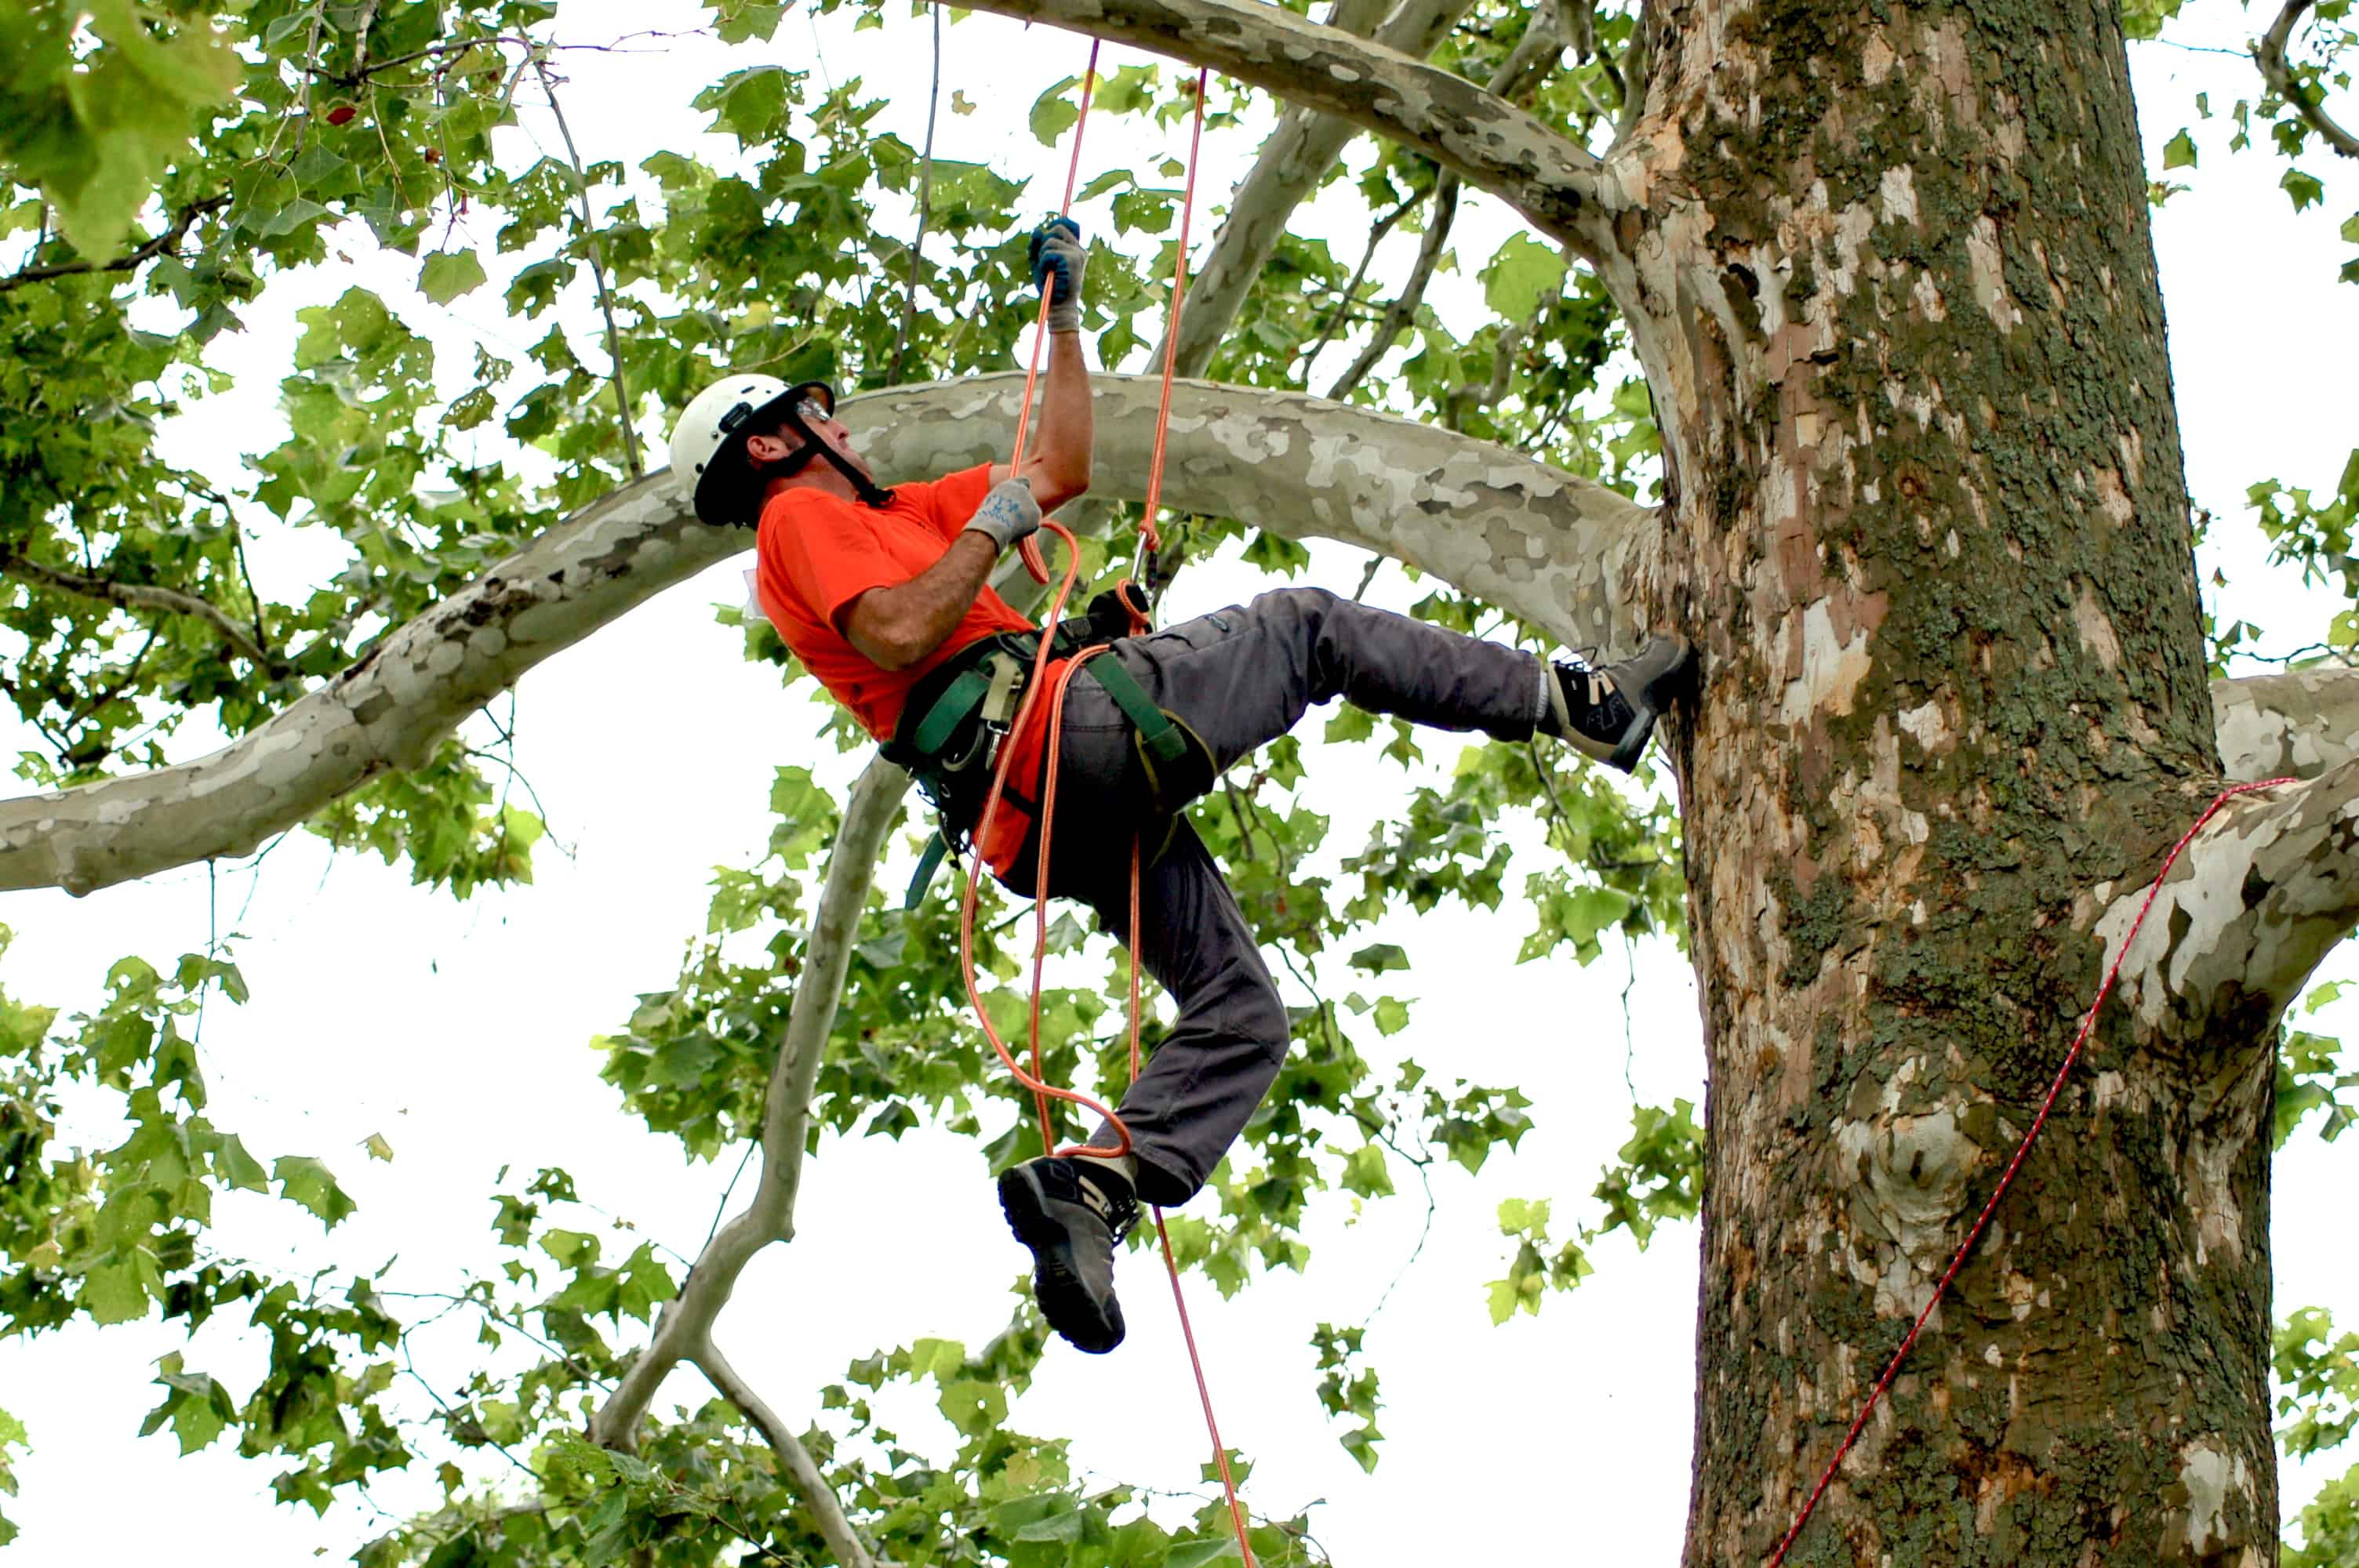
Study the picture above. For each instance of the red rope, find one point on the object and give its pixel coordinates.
(2006, 1179)
(1035, 1081)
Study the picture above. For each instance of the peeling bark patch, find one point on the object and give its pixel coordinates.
(1832, 670)
(2096, 631)
(2214, 1480)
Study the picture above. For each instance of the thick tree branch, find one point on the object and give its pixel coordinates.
(144, 596)
(2269, 54)
(1561, 552)
(166, 241)
(1301, 152)
(1559, 186)
(2256, 901)
(849, 1550)
(2296, 725)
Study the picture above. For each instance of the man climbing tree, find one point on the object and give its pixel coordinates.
(884, 595)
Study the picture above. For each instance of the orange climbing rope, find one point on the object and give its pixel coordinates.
(1041, 1089)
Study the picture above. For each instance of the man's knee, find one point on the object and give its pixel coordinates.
(1307, 606)
(1252, 1011)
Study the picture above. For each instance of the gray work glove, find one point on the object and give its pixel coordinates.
(1057, 260)
(1007, 515)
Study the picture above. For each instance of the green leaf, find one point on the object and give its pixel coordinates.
(305, 1180)
(2180, 151)
(2305, 190)
(447, 275)
(194, 1404)
(118, 1289)
(234, 1165)
(1197, 1553)
(1380, 957)
(378, 1149)
(2350, 233)
(1053, 113)
(1519, 273)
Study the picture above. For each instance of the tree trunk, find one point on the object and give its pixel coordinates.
(1899, 310)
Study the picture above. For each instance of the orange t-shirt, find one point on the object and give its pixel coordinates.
(815, 553)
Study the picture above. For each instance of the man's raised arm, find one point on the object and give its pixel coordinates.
(1058, 463)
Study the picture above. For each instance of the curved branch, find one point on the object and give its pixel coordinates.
(2296, 725)
(684, 1331)
(1562, 553)
(2256, 901)
(146, 596)
(849, 1550)
(1551, 180)
(2269, 54)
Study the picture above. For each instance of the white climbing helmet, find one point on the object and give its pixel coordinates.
(713, 427)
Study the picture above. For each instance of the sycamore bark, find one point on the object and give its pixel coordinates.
(1930, 521)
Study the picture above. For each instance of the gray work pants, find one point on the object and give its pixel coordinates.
(1240, 677)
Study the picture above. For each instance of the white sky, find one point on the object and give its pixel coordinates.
(458, 1033)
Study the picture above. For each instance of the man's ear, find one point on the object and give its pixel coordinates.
(767, 448)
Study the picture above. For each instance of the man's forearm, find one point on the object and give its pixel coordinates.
(895, 627)
(1060, 458)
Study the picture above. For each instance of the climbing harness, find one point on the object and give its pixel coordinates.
(1159, 735)
(2006, 1178)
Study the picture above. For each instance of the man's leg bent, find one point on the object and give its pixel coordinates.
(1204, 1080)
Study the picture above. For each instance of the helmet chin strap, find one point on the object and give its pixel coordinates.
(862, 486)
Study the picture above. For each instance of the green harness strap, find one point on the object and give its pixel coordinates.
(1161, 737)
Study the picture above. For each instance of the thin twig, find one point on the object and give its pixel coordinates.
(166, 241)
(1376, 232)
(597, 270)
(1403, 309)
(925, 203)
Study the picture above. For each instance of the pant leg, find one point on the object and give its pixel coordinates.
(1241, 677)
(1208, 1074)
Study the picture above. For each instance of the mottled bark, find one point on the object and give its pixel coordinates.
(1563, 553)
(1899, 310)
(2289, 725)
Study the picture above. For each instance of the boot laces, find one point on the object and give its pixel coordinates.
(1118, 1211)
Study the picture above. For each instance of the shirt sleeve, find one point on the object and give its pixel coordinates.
(950, 500)
(831, 555)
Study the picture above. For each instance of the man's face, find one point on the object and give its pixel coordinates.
(779, 445)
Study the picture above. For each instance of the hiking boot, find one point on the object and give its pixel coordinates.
(1071, 1211)
(1609, 713)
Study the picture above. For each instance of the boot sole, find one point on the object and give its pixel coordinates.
(1056, 1284)
(1648, 703)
